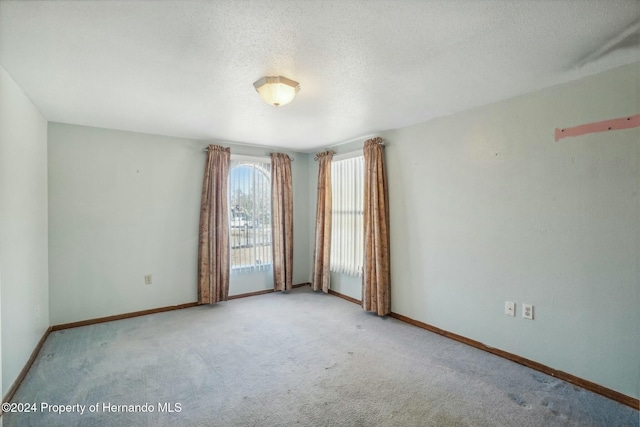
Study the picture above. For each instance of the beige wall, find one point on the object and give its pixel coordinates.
(486, 207)
(125, 204)
(24, 294)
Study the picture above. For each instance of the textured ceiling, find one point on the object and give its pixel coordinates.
(186, 68)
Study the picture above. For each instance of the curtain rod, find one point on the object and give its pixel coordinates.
(206, 150)
(383, 143)
(327, 151)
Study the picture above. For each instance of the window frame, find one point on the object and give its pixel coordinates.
(249, 223)
(354, 266)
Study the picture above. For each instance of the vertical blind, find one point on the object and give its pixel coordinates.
(250, 214)
(347, 212)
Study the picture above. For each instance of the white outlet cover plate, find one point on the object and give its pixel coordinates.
(510, 308)
(527, 311)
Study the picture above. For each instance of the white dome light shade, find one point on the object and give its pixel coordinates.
(277, 90)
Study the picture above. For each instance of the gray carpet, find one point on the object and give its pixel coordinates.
(297, 359)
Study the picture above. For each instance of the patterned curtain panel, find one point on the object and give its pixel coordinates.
(376, 290)
(213, 245)
(282, 221)
(322, 248)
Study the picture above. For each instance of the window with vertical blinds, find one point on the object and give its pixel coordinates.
(347, 212)
(250, 213)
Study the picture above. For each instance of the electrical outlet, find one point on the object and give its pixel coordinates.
(510, 308)
(527, 311)
(147, 279)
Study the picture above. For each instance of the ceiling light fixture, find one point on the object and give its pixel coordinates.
(277, 90)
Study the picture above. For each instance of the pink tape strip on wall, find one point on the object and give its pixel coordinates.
(613, 124)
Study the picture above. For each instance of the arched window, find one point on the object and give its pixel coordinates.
(250, 213)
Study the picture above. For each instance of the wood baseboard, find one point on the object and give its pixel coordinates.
(580, 382)
(152, 311)
(348, 298)
(299, 285)
(14, 387)
(250, 294)
(122, 316)
(265, 291)
(23, 373)
(564, 376)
